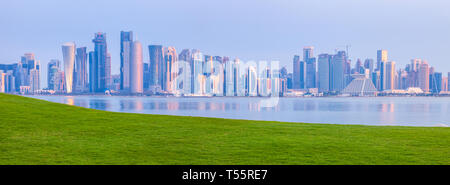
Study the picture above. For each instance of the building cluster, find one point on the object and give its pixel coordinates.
(335, 75)
(192, 73)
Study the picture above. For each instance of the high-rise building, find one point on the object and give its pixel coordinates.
(80, 72)
(436, 82)
(299, 73)
(126, 41)
(101, 62)
(424, 75)
(68, 50)
(310, 68)
(52, 72)
(198, 79)
(382, 56)
(229, 78)
(390, 75)
(171, 57)
(324, 72)
(311, 73)
(337, 71)
(156, 56)
(136, 68)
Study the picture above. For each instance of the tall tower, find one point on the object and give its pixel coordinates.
(100, 62)
(126, 41)
(390, 75)
(136, 68)
(324, 72)
(80, 74)
(169, 68)
(424, 76)
(68, 50)
(156, 56)
(382, 56)
(337, 71)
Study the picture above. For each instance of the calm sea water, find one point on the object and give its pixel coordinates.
(410, 111)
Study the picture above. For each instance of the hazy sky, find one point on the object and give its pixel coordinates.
(247, 29)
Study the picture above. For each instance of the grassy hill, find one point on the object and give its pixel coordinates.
(40, 132)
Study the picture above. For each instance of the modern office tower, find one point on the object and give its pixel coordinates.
(229, 74)
(198, 79)
(136, 68)
(310, 68)
(376, 79)
(146, 77)
(186, 57)
(436, 83)
(310, 73)
(156, 56)
(368, 64)
(424, 75)
(93, 72)
(337, 71)
(170, 55)
(299, 73)
(239, 78)
(324, 72)
(390, 75)
(382, 56)
(251, 81)
(182, 82)
(308, 52)
(68, 50)
(101, 63)
(108, 78)
(126, 41)
(296, 72)
(402, 82)
(35, 78)
(80, 73)
(52, 72)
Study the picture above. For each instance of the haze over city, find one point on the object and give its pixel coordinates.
(249, 30)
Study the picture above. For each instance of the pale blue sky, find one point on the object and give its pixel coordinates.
(248, 29)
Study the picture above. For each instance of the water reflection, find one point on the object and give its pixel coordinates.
(417, 111)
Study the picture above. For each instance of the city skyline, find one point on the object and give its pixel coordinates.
(252, 36)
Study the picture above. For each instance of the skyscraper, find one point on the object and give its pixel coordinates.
(337, 71)
(170, 56)
(126, 40)
(156, 56)
(52, 72)
(68, 50)
(324, 72)
(382, 56)
(136, 68)
(101, 63)
(80, 73)
(424, 75)
(436, 82)
(299, 73)
(390, 75)
(310, 67)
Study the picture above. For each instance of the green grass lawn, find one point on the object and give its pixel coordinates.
(40, 132)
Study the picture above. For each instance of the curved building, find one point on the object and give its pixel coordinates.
(136, 68)
(68, 50)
